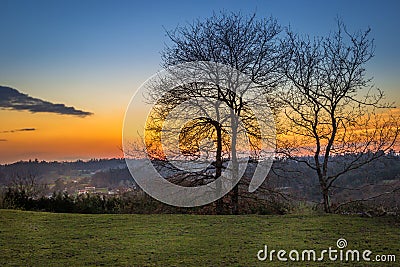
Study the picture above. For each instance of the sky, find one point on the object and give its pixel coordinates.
(91, 56)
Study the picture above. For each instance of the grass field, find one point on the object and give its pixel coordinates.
(46, 239)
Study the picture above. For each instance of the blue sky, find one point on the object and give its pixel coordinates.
(94, 54)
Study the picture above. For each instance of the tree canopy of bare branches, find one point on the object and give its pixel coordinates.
(244, 43)
(330, 105)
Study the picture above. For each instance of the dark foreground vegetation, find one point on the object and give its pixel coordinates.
(130, 202)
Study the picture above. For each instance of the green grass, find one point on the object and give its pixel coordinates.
(46, 239)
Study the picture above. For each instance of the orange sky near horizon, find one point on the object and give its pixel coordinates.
(63, 137)
(59, 137)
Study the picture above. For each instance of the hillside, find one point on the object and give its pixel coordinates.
(287, 176)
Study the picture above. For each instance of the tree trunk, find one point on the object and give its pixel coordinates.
(235, 200)
(235, 171)
(219, 209)
(327, 201)
(218, 169)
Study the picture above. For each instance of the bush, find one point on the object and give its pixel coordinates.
(130, 202)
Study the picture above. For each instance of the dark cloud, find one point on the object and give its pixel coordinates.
(3, 140)
(14, 100)
(20, 130)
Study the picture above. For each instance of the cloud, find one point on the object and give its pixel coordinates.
(14, 100)
(3, 140)
(20, 130)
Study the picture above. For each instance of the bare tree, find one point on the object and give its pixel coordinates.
(27, 182)
(246, 44)
(331, 107)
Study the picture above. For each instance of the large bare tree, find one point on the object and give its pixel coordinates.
(331, 107)
(244, 43)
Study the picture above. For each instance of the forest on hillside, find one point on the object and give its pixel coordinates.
(290, 182)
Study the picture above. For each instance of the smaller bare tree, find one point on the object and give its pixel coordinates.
(331, 107)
